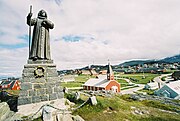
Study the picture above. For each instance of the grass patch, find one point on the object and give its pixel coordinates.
(149, 92)
(121, 81)
(118, 108)
(79, 80)
(140, 78)
(71, 84)
(158, 104)
(13, 92)
(38, 119)
(83, 78)
(129, 87)
(163, 78)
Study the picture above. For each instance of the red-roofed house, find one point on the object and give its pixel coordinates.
(12, 85)
(103, 82)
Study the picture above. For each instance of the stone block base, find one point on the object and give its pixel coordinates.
(40, 82)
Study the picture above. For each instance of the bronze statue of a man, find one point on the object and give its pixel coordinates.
(40, 46)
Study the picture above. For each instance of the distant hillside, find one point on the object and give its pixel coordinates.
(173, 59)
(136, 62)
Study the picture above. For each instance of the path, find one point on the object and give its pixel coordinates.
(30, 109)
(132, 90)
(158, 79)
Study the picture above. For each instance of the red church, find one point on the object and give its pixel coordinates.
(103, 82)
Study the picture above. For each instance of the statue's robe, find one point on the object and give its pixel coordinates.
(40, 46)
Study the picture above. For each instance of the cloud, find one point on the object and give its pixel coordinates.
(92, 31)
(12, 61)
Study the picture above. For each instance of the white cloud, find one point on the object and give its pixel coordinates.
(121, 30)
(12, 61)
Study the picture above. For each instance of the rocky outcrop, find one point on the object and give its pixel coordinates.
(6, 114)
(5, 111)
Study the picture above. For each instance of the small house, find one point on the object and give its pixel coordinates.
(170, 90)
(103, 82)
(12, 85)
(151, 86)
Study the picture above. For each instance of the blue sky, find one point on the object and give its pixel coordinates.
(91, 31)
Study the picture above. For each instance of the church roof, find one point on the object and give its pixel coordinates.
(97, 82)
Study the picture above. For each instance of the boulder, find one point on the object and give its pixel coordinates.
(48, 113)
(93, 100)
(5, 112)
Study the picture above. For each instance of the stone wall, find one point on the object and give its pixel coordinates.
(40, 82)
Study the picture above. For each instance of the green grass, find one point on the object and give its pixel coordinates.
(158, 104)
(140, 78)
(118, 108)
(13, 92)
(79, 80)
(121, 81)
(38, 119)
(126, 87)
(149, 92)
(83, 78)
(163, 78)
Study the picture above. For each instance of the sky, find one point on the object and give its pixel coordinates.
(91, 31)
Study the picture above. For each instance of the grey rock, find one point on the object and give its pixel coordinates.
(44, 97)
(39, 86)
(32, 92)
(47, 113)
(93, 100)
(53, 96)
(77, 95)
(5, 111)
(36, 99)
(24, 100)
(26, 86)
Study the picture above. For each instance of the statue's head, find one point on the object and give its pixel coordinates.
(42, 14)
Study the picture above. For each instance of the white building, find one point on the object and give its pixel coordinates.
(151, 86)
(171, 90)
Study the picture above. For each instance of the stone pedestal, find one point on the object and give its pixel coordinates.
(40, 82)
